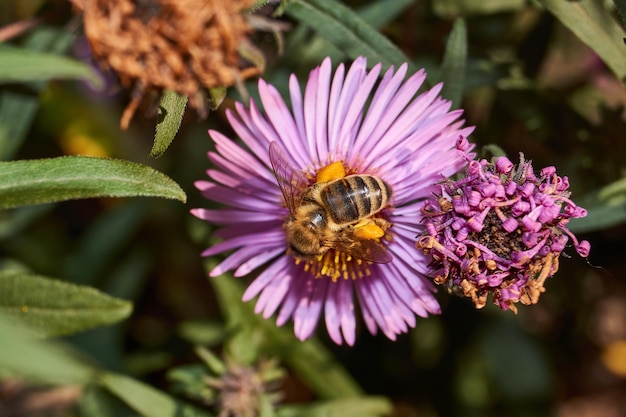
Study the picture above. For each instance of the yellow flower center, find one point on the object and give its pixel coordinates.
(335, 264)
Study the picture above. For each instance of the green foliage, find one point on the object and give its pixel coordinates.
(346, 31)
(171, 112)
(449, 8)
(351, 407)
(17, 108)
(23, 354)
(73, 177)
(57, 308)
(252, 337)
(545, 78)
(606, 207)
(21, 65)
(146, 400)
(454, 64)
(592, 23)
(381, 12)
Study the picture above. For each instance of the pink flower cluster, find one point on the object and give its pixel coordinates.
(499, 230)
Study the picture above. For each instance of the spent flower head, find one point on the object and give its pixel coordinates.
(181, 45)
(499, 229)
(314, 246)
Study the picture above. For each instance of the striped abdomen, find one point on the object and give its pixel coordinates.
(354, 197)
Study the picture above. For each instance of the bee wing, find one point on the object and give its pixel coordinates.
(368, 250)
(290, 180)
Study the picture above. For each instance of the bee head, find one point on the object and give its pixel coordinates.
(304, 242)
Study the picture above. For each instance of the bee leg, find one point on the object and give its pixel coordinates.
(331, 172)
(367, 229)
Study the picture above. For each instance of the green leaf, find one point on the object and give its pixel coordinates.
(23, 354)
(347, 31)
(95, 401)
(22, 65)
(454, 64)
(605, 207)
(453, 8)
(595, 26)
(57, 308)
(215, 364)
(217, 96)
(74, 177)
(350, 407)
(171, 112)
(147, 400)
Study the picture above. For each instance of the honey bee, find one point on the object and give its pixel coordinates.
(334, 214)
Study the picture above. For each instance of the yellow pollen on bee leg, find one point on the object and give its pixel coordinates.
(331, 172)
(369, 231)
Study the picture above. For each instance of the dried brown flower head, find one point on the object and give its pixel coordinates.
(180, 45)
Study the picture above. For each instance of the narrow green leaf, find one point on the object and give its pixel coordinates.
(350, 407)
(171, 112)
(23, 354)
(21, 65)
(215, 364)
(346, 30)
(74, 177)
(217, 96)
(454, 64)
(605, 207)
(95, 401)
(595, 26)
(147, 400)
(57, 308)
(447, 8)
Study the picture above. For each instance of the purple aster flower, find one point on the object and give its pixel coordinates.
(353, 124)
(500, 230)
